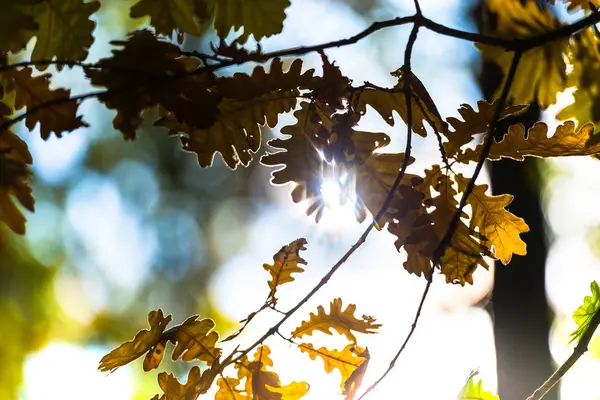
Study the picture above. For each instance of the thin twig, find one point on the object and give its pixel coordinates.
(516, 44)
(408, 96)
(489, 140)
(578, 351)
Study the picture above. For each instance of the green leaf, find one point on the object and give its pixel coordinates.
(584, 314)
(472, 391)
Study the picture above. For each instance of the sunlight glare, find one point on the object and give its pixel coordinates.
(339, 203)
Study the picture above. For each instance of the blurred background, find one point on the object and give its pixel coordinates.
(122, 228)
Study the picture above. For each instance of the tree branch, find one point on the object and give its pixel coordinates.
(578, 351)
(408, 96)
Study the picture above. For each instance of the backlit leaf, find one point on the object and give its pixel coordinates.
(195, 340)
(500, 228)
(474, 123)
(386, 102)
(352, 362)
(187, 16)
(249, 102)
(65, 29)
(259, 18)
(228, 390)
(155, 355)
(173, 390)
(143, 341)
(286, 262)
(262, 384)
(584, 314)
(472, 391)
(542, 71)
(53, 109)
(343, 321)
(566, 141)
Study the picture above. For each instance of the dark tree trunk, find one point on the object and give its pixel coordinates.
(520, 311)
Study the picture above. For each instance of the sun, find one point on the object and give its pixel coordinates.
(339, 198)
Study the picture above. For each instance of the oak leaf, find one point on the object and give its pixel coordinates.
(17, 27)
(584, 314)
(566, 141)
(262, 384)
(386, 102)
(53, 109)
(542, 71)
(186, 16)
(155, 355)
(474, 123)
(248, 102)
(65, 29)
(322, 148)
(228, 390)
(144, 341)
(351, 361)
(333, 86)
(286, 262)
(173, 390)
(499, 227)
(463, 254)
(472, 391)
(343, 321)
(195, 340)
(147, 72)
(14, 179)
(260, 18)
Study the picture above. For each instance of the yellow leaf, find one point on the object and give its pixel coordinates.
(566, 141)
(542, 70)
(386, 102)
(464, 253)
(286, 263)
(155, 355)
(262, 384)
(187, 16)
(143, 341)
(14, 179)
(65, 30)
(500, 228)
(228, 390)
(347, 361)
(344, 322)
(195, 340)
(474, 123)
(259, 18)
(173, 390)
(57, 113)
